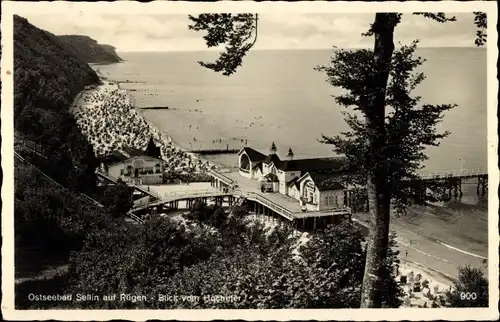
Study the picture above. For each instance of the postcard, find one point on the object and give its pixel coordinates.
(249, 160)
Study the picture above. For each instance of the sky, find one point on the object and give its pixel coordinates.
(291, 31)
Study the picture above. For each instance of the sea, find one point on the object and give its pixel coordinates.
(278, 96)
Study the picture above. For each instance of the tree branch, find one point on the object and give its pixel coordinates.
(233, 31)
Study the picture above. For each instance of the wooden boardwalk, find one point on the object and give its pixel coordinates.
(464, 174)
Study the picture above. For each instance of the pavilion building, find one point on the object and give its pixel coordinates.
(316, 183)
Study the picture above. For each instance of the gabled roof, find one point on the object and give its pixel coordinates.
(327, 181)
(252, 154)
(320, 164)
(274, 159)
(258, 166)
(113, 157)
(147, 157)
(132, 152)
(288, 165)
(304, 165)
(294, 182)
(124, 154)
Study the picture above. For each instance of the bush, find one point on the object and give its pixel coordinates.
(470, 289)
(117, 200)
(259, 267)
(46, 214)
(135, 260)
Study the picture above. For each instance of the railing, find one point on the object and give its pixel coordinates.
(266, 202)
(455, 173)
(34, 148)
(221, 176)
(342, 211)
(189, 192)
(135, 218)
(20, 158)
(147, 191)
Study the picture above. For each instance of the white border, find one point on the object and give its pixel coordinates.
(125, 7)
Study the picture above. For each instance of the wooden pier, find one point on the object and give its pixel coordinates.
(215, 151)
(155, 108)
(449, 184)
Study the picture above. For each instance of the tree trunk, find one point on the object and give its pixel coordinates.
(377, 190)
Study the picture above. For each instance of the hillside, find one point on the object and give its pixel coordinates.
(88, 50)
(46, 76)
(46, 80)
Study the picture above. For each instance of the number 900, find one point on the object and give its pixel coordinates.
(468, 296)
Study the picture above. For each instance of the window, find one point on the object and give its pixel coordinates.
(122, 171)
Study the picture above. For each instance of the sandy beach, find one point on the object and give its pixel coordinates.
(108, 118)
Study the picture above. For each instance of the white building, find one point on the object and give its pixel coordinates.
(131, 165)
(316, 183)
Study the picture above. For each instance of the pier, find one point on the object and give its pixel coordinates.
(274, 207)
(155, 108)
(215, 151)
(229, 186)
(449, 184)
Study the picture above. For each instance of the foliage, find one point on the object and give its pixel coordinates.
(392, 293)
(410, 126)
(135, 260)
(214, 216)
(235, 31)
(46, 80)
(471, 282)
(339, 247)
(117, 199)
(257, 266)
(46, 214)
(481, 22)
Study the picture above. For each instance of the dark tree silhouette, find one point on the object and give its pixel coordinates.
(117, 200)
(470, 289)
(368, 84)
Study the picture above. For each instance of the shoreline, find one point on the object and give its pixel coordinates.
(164, 135)
(108, 116)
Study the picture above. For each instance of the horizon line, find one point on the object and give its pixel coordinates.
(290, 49)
